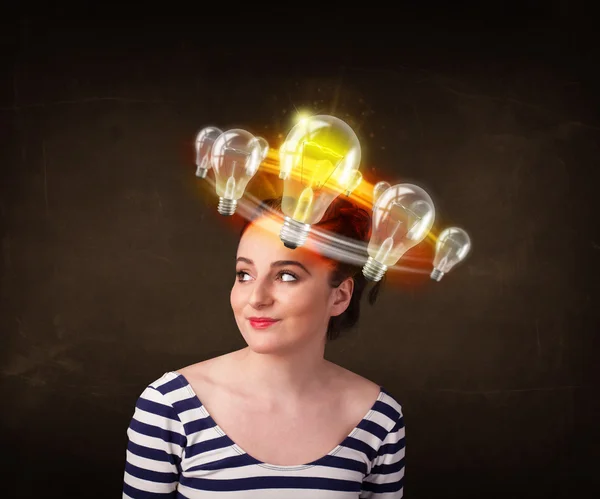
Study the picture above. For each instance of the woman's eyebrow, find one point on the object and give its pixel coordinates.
(278, 263)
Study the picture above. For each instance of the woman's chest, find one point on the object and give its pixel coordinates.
(283, 439)
(286, 437)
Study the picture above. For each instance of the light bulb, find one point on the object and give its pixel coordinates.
(379, 188)
(264, 144)
(402, 217)
(319, 160)
(204, 143)
(258, 156)
(352, 182)
(236, 156)
(452, 246)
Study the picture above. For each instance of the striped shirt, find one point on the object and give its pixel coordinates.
(176, 450)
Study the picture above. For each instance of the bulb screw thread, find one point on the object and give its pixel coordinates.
(227, 206)
(437, 275)
(373, 270)
(293, 233)
(201, 172)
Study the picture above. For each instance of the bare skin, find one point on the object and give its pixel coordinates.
(292, 430)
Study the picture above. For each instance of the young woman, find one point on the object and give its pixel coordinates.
(274, 419)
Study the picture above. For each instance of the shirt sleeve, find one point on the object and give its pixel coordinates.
(386, 479)
(155, 444)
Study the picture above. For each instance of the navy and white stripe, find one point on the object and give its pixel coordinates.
(176, 451)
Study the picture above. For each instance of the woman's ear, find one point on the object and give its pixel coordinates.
(342, 296)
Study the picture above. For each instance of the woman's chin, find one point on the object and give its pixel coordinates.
(266, 345)
(265, 342)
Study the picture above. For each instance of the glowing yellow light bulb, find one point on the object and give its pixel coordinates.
(352, 182)
(318, 161)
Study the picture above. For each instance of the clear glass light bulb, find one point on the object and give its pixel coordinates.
(204, 143)
(379, 188)
(319, 160)
(236, 156)
(402, 217)
(452, 246)
(258, 157)
(264, 144)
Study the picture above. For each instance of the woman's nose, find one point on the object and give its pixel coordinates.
(261, 295)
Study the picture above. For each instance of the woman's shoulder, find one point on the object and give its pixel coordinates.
(181, 383)
(206, 372)
(363, 392)
(354, 385)
(168, 389)
(161, 401)
(208, 379)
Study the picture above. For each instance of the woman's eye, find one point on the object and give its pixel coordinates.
(283, 276)
(240, 275)
(290, 277)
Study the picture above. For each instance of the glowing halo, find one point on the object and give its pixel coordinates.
(328, 243)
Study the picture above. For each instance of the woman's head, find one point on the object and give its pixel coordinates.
(308, 293)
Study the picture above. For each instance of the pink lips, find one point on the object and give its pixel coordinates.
(262, 322)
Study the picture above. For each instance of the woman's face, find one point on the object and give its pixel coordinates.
(289, 286)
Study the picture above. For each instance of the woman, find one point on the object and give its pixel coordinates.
(274, 419)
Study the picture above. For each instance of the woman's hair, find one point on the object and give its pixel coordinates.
(346, 219)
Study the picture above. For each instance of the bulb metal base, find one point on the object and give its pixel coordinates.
(373, 270)
(437, 275)
(227, 206)
(201, 172)
(293, 233)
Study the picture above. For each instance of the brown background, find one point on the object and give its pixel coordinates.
(116, 266)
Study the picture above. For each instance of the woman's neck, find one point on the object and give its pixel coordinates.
(278, 380)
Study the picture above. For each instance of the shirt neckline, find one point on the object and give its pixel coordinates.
(264, 464)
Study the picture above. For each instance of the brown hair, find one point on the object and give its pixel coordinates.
(349, 221)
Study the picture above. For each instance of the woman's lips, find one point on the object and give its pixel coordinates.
(262, 323)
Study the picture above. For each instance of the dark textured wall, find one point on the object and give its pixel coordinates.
(116, 266)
